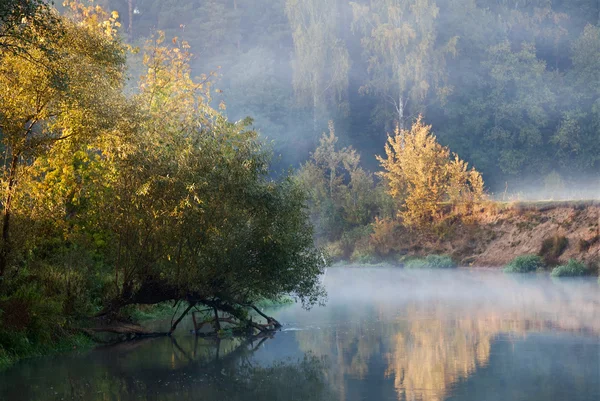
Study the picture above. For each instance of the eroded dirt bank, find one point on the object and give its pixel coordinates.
(570, 230)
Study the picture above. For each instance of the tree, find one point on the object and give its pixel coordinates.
(74, 97)
(197, 219)
(421, 176)
(404, 57)
(341, 191)
(575, 137)
(15, 17)
(320, 60)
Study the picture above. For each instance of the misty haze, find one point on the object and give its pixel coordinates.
(300, 200)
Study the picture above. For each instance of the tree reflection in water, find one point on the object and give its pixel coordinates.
(427, 347)
(385, 335)
(188, 368)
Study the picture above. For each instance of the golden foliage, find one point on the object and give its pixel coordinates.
(422, 176)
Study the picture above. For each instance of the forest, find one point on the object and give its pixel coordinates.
(216, 154)
(510, 85)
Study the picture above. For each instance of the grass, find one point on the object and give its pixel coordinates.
(544, 205)
(141, 313)
(17, 346)
(524, 264)
(573, 268)
(431, 262)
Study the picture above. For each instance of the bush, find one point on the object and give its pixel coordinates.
(524, 264)
(585, 245)
(431, 262)
(5, 360)
(552, 248)
(364, 258)
(572, 269)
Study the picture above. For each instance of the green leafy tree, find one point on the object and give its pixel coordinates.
(342, 192)
(197, 219)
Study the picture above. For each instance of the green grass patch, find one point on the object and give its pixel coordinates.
(573, 268)
(17, 346)
(524, 264)
(431, 262)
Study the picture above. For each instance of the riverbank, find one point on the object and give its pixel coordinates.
(15, 347)
(491, 235)
(18, 347)
(556, 231)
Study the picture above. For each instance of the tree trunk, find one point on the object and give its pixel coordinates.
(130, 30)
(217, 323)
(269, 319)
(401, 112)
(6, 248)
(315, 110)
(174, 326)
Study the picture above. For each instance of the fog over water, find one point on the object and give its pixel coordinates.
(385, 334)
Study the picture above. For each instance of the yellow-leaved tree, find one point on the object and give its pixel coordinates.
(423, 176)
(63, 85)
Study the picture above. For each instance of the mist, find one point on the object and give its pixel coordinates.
(507, 85)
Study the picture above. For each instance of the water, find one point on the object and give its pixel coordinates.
(385, 334)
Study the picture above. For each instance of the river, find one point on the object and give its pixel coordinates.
(384, 334)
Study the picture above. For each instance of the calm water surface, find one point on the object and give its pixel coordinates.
(385, 334)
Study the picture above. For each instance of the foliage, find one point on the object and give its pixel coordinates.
(510, 86)
(386, 236)
(431, 262)
(275, 303)
(552, 248)
(573, 268)
(320, 72)
(421, 176)
(405, 57)
(20, 347)
(524, 264)
(20, 24)
(140, 313)
(73, 98)
(342, 193)
(118, 199)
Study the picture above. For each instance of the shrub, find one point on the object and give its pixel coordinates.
(572, 269)
(585, 245)
(364, 257)
(334, 251)
(431, 262)
(386, 235)
(552, 248)
(5, 360)
(524, 264)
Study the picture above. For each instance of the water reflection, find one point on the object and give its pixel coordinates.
(384, 335)
(435, 334)
(169, 369)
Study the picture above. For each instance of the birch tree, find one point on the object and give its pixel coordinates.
(404, 60)
(320, 59)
